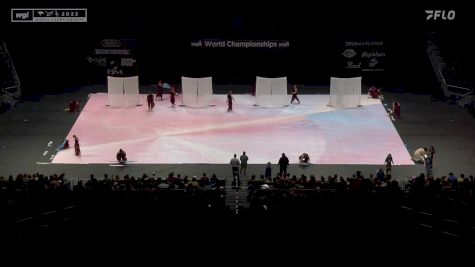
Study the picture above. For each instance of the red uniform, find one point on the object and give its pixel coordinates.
(374, 92)
(397, 109)
(72, 106)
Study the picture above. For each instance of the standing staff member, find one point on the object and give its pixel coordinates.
(244, 160)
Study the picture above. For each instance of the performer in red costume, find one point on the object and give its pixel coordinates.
(72, 106)
(397, 109)
(375, 92)
(172, 96)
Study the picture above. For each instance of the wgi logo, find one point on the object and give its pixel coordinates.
(440, 14)
(48, 15)
(22, 15)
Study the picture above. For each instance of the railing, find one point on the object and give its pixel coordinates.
(11, 94)
(467, 91)
(15, 93)
(463, 94)
(15, 75)
(8, 97)
(445, 88)
(436, 65)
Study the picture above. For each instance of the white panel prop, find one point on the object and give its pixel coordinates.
(345, 92)
(131, 91)
(123, 92)
(271, 92)
(197, 92)
(115, 88)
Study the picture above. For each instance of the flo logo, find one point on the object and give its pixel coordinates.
(440, 15)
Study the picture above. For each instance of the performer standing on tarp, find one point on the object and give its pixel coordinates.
(160, 90)
(294, 94)
(172, 96)
(77, 150)
(150, 102)
(230, 101)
